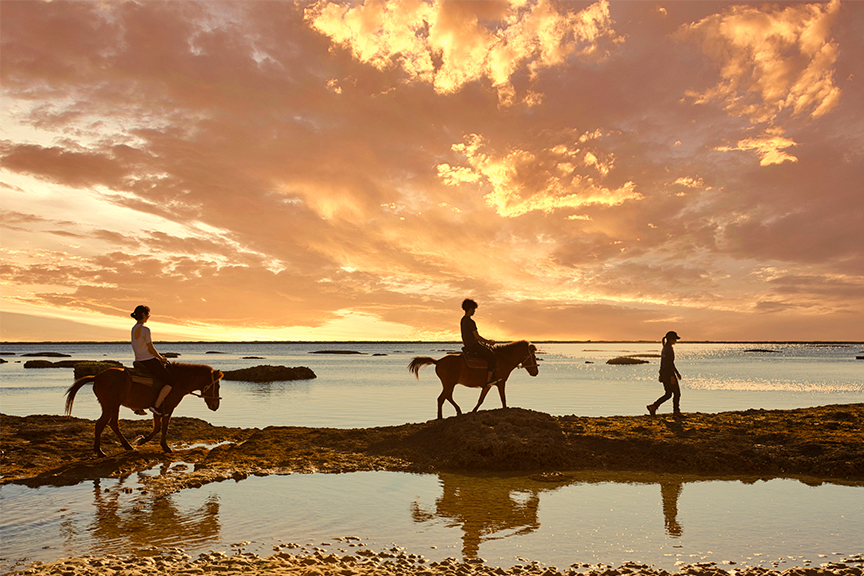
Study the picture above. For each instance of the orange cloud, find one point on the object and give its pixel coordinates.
(522, 181)
(771, 61)
(449, 45)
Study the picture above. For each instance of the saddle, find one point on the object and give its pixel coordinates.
(139, 375)
(474, 361)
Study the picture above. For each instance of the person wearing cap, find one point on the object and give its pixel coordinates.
(669, 376)
(476, 344)
(146, 354)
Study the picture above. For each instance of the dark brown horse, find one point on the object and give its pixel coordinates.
(114, 388)
(453, 369)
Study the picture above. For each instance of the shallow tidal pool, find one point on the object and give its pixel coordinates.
(558, 520)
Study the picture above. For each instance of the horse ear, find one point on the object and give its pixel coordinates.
(218, 374)
(533, 348)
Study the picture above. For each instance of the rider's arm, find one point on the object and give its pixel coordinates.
(483, 340)
(153, 351)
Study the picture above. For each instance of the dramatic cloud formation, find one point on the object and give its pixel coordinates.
(353, 170)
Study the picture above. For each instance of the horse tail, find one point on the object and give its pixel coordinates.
(73, 390)
(418, 362)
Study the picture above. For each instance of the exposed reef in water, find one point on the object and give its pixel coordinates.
(267, 373)
(626, 360)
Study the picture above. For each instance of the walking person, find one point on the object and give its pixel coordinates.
(669, 376)
(476, 344)
(146, 354)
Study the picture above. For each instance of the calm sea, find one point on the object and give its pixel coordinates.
(665, 520)
(374, 388)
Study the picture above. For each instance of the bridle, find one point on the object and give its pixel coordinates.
(523, 364)
(204, 391)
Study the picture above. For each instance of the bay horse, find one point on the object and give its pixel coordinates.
(453, 369)
(114, 388)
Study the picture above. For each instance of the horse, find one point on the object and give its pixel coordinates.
(453, 369)
(114, 387)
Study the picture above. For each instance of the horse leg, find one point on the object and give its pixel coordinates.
(100, 426)
(152, 433)
(447, 394)
(482, 397)
(114, 422)
(501, 393)
(165, 419)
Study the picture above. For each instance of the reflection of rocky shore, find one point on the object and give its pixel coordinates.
(366, 562)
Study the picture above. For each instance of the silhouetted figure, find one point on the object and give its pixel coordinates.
(473, 342)
(669, 376)
(146, 354)
(670, 491)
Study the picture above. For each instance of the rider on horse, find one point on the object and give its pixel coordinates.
(146, 354)
(474, 344)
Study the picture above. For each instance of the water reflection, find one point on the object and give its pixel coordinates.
(670, 492)
(601, 516)
(141, 522)
(483, 507)
(492, 508)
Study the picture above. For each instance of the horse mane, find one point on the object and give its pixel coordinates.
(185, 368)
(511, 345)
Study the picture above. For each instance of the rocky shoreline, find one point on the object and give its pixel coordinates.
(823, 443)
(816, 445)
(395, 562)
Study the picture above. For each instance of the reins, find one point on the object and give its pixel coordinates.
(213, 383)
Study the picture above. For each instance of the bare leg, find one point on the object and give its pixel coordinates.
(162, 394)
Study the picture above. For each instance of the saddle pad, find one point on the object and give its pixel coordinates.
(139, 377)
(475, 362)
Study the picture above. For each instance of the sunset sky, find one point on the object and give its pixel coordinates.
(272, 170)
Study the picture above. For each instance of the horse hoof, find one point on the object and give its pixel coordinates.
(100, 453)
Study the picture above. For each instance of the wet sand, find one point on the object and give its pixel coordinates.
(822, 444)
(389, 562)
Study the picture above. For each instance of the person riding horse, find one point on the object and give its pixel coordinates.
(473, 343)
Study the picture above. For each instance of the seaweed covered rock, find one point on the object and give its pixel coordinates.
(269, 373)
(626, 360)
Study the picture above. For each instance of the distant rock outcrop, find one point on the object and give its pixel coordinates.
(269, 374)
(335, 352)
(69, 363)
(626, 360)
(46, 355)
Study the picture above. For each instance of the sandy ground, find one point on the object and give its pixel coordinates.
(392, 562)
(822, 444)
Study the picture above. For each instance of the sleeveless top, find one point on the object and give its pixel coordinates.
(139, 345)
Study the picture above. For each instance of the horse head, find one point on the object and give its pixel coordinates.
(210, 392)
(530, 361)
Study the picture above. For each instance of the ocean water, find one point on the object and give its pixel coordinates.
(374, 387)
(590, 517)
